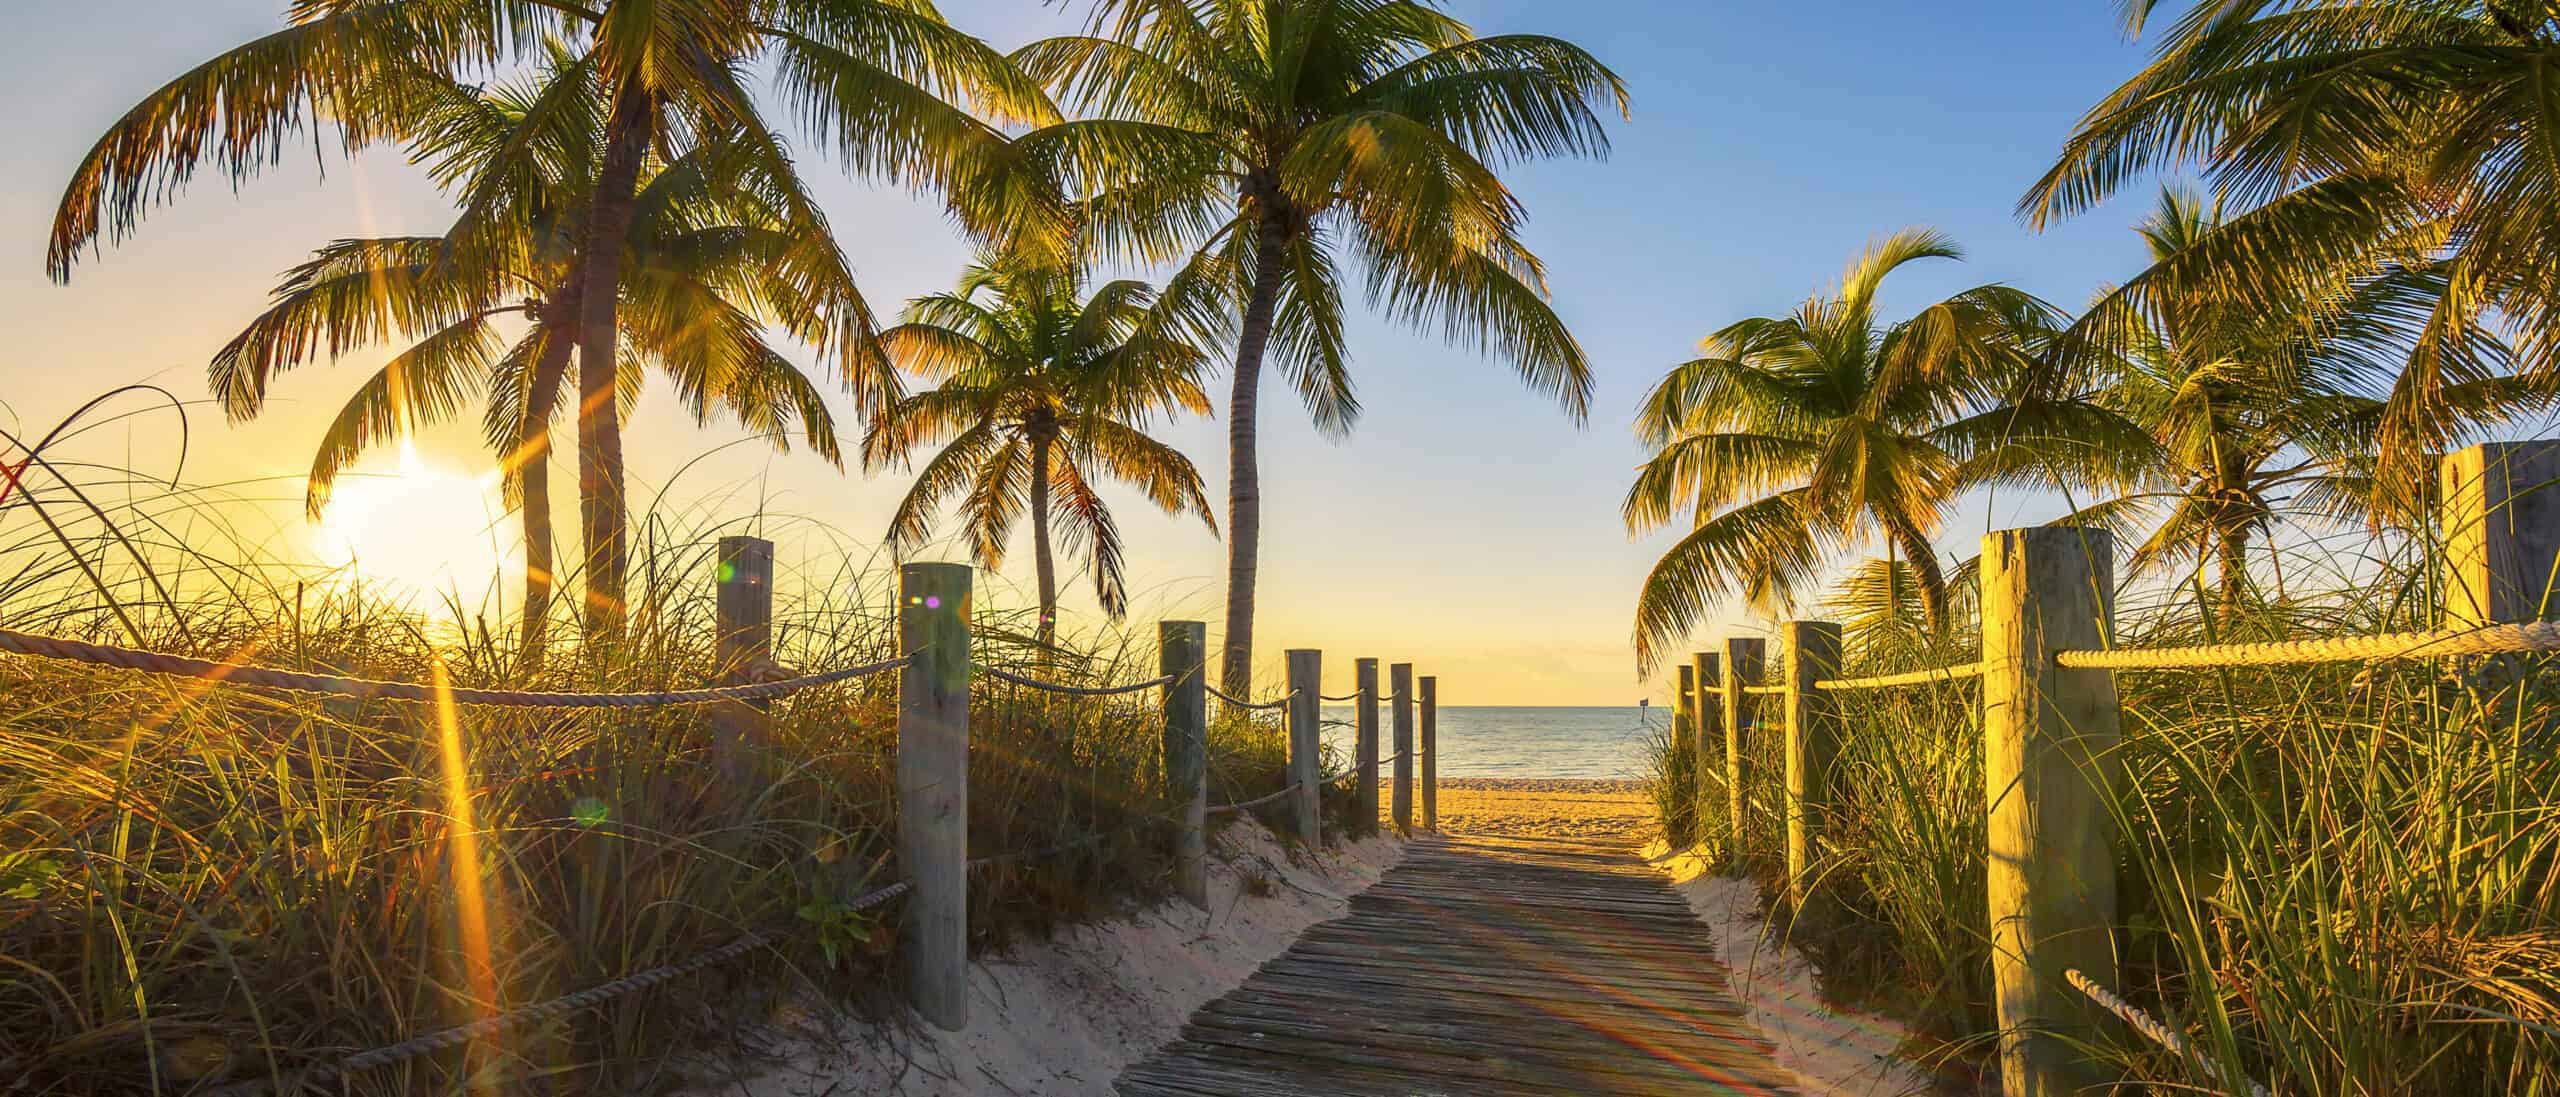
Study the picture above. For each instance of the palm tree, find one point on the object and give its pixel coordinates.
(2361, 138)
(1268, 139)
(2256, 409)
(1794, 438)
(872, 78)
(1042, 394)
(703, 277)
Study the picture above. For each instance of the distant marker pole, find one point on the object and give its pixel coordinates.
(1431, 753)
(1400, 679)
(1365, 719)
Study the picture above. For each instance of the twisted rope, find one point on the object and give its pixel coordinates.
(1909, 678)
(242, 674)
(2492, 639)
(2150, 1026)
(1763, 691)
(458, 1035)
(1353, 696)
(1266, 706)
(1075, 691)
(1256, 802)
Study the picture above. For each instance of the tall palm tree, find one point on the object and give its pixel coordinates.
(2361, 137)
(1795, 438)
(703, 277)
(872, 78)
(1268, 139)
(2257, 411)
(1042, 394)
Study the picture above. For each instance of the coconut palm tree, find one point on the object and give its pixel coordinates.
(1268, 140)
(2361, 138)
(874, 79)
(1795, 438)
(705, 272)
(1042, 394)
(2259, 411)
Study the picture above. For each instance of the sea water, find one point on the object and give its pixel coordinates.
(1478, 741)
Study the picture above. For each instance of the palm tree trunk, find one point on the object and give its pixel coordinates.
(1244, 474)
(1042, 561)
(2234, 551)
(1924, 570)
(533, 478)
(601, 517)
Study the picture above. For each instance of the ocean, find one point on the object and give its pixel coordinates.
(1487, 741)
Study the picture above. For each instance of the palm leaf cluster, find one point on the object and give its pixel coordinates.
(1043, 393)
(1272, 148)
(1795, 439)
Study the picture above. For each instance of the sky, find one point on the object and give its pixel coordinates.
(1467, 525)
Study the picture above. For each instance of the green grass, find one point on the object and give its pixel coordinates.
(2341, 880)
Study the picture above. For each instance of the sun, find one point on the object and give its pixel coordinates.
(419, 527)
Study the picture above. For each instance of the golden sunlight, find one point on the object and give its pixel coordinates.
(417, 527)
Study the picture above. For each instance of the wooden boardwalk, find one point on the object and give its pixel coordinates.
(1481, 965)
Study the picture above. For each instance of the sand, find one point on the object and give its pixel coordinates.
(1590, 809)
(1834, 1052)
(1065, 1016)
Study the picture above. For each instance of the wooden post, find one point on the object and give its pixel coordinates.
(1811, 653)
(2501, 520)
(1182, 649)
(1684, 739)
(1431, 754)
(742, 643)
(1306, 742)
(1364, 672)
(1743, 657)
(2049, 773)
(1400, 685)
(933, 788)
(1708, 723)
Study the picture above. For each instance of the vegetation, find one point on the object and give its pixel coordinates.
(1042, 395)
(200, 883)
(869, 77)
(1270, 140)
(1793, 438)
(704, 277)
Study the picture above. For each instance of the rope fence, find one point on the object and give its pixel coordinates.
(1258, 801)
(1263, 706)
(1956, 673)
(2159, 1033)
(1345, 697)
(372, 689)
(1074, 691)
(2489, 640)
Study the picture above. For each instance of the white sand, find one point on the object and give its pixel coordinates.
(1850, 1054)
(1065, 1016)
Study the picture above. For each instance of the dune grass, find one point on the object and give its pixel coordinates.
(2336, 879)
(201, 883)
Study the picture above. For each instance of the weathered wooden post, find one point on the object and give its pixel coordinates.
(1684, 740)
(1810, 653)
(2501, 517)
(1364, 672)
(1306, 742)
(1182, 649)
(1431, 754)
(2049, 772)
(1743, 656)
(1708, 730)
(1400, 685)
(933, 788)
(742, 610)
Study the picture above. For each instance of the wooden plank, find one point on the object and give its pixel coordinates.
(1508, 966)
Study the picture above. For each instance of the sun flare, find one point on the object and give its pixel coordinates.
(418, 526)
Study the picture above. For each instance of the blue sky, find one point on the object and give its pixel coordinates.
(1467, 525)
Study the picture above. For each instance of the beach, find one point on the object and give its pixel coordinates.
(1590, 808)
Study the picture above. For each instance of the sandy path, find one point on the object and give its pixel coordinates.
(1603, 810)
